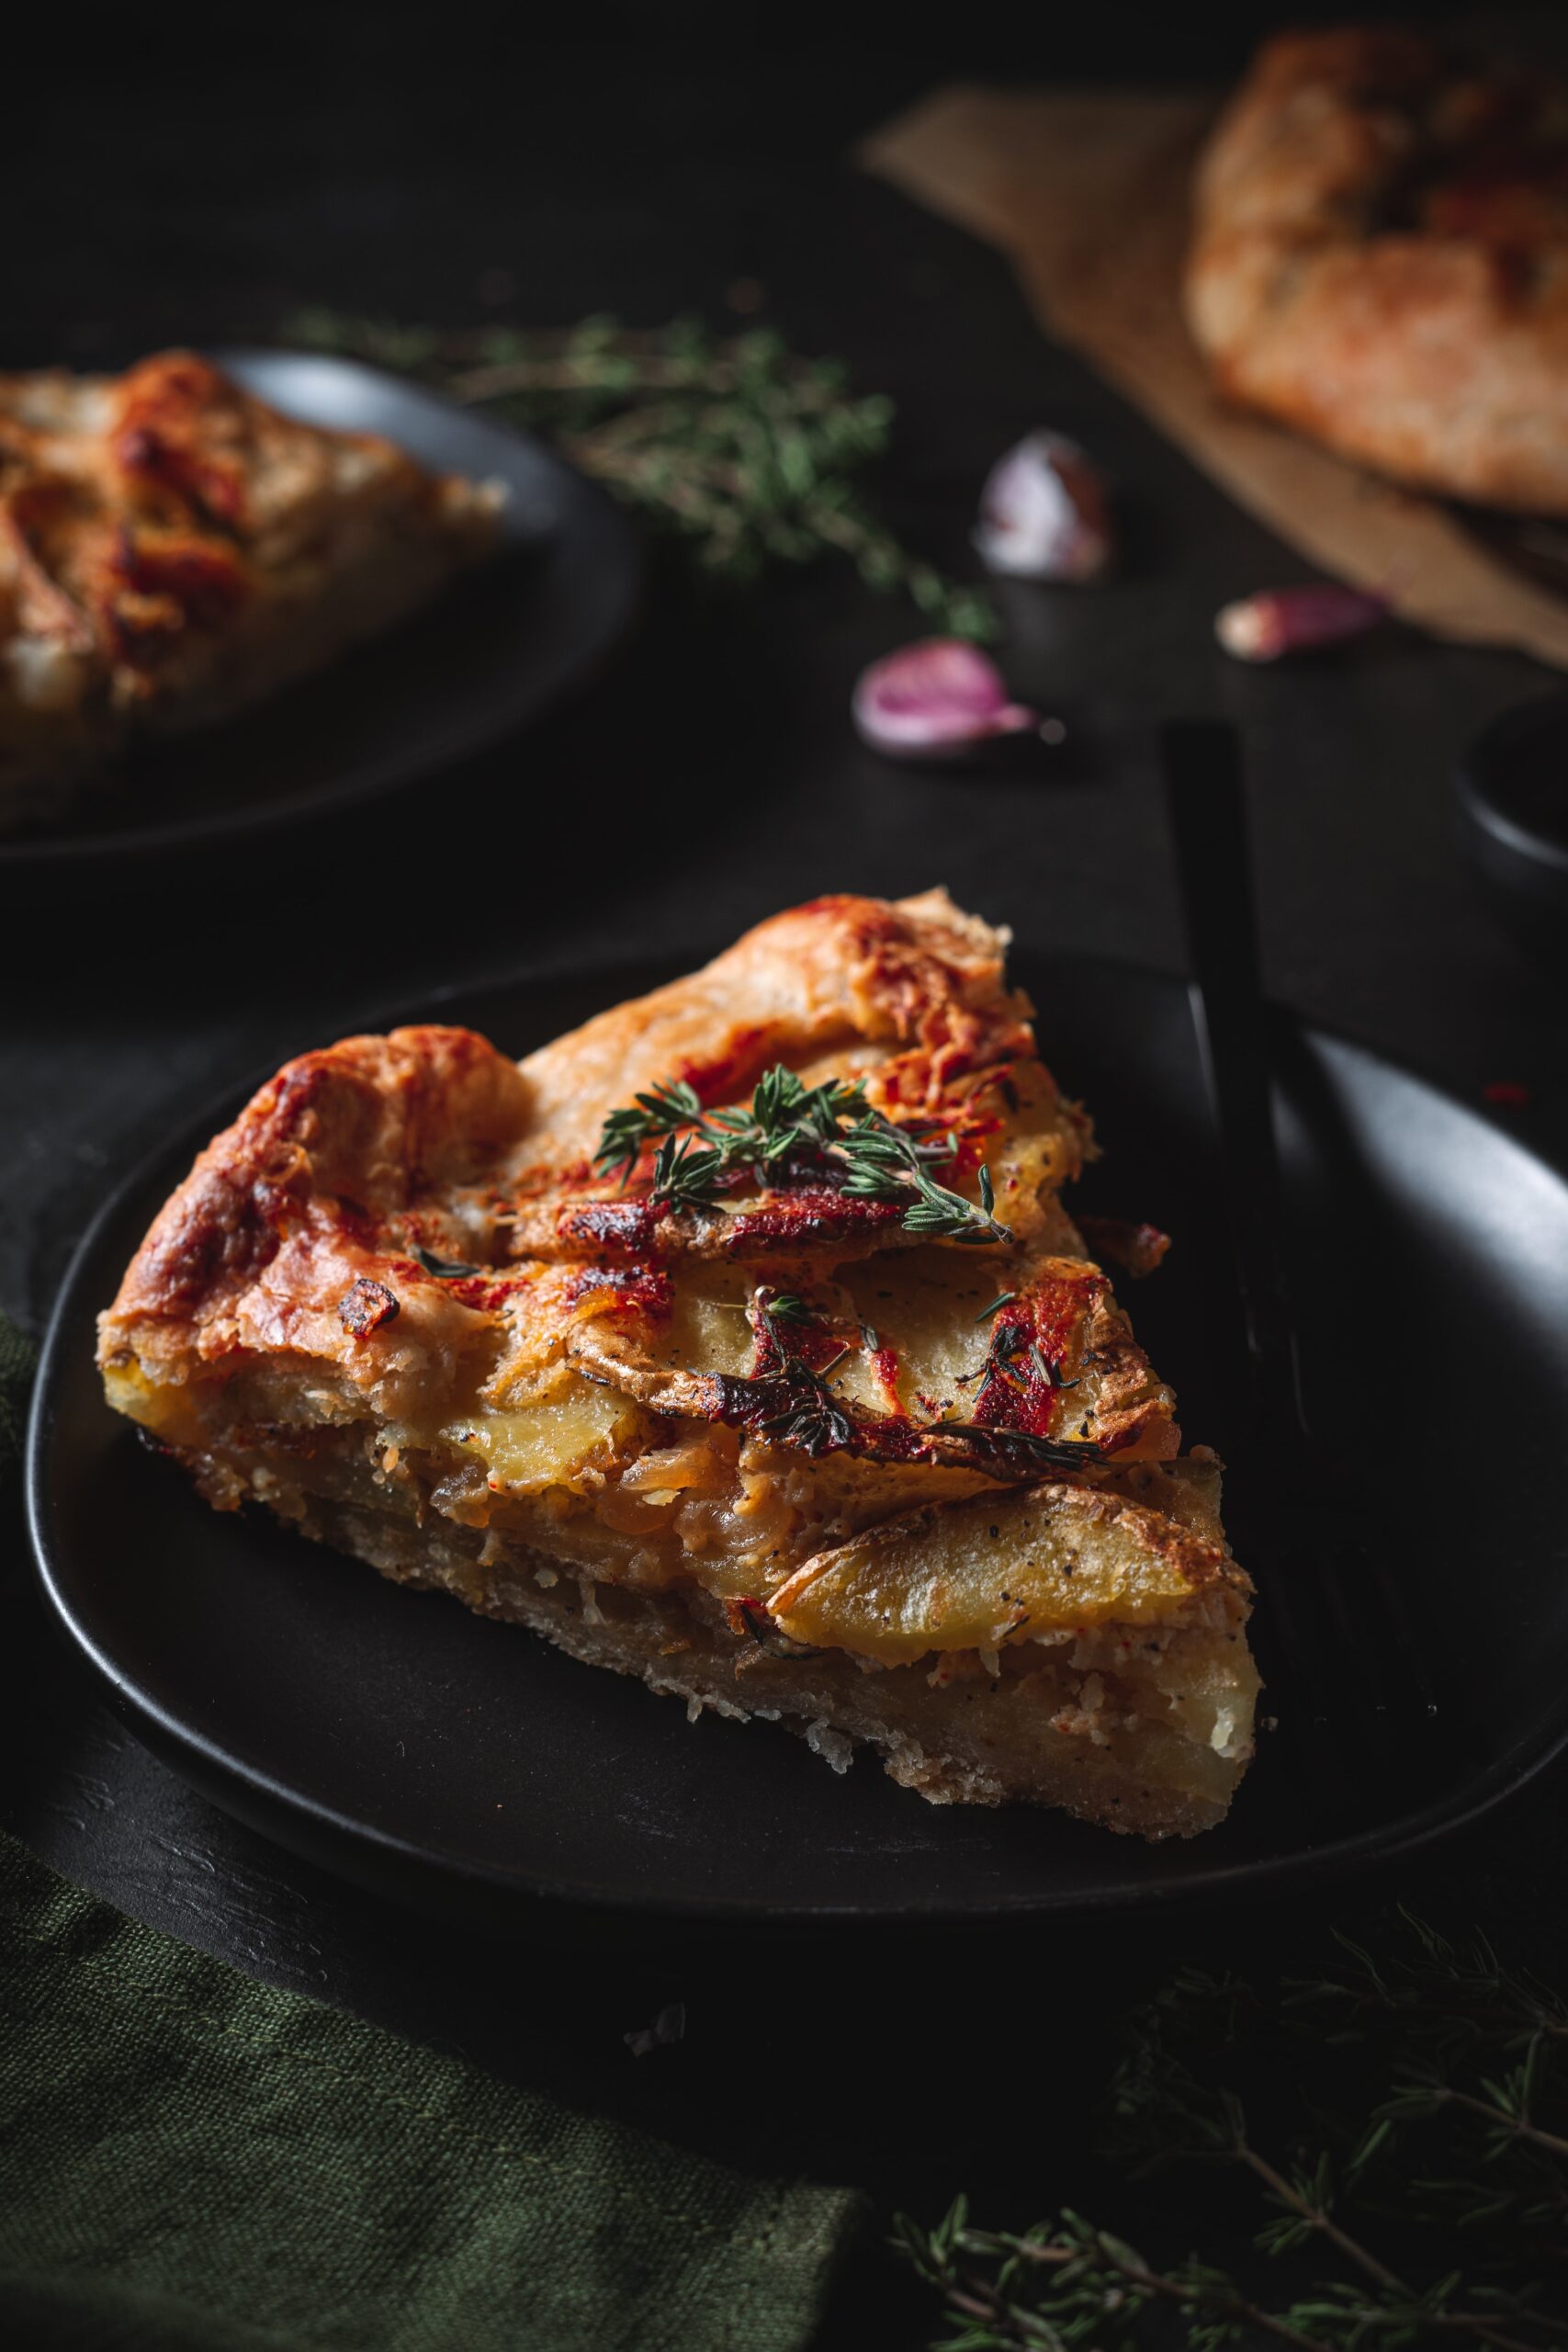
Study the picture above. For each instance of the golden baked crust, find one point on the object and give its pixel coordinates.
(172, 548)
(403, 1301)
(1380, 260)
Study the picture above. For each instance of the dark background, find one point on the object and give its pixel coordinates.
(198, 182)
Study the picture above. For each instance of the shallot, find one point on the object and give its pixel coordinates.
(935, 697)
(1294, 620)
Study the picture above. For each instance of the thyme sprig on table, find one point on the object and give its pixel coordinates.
(854, 1147)
(1429, 2201)
(746, 449)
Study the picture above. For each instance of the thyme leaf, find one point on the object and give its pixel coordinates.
(784, 1306)
(446, 1269)
(1002, 1298)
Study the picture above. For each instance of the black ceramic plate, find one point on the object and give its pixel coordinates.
(467, 1765)
(507, 641)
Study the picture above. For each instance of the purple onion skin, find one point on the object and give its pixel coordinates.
(1280, 621)
(937, 699)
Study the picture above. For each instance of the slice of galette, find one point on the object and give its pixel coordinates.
(173, 549)
(740, 1340)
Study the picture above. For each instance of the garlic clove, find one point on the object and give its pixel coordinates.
(1044, 514)
(1293, 620)
(938, 696)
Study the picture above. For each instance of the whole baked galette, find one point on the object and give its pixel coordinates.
(1380, 260)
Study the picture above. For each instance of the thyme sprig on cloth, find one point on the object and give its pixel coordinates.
(832, 1128)
(1427, 2202)
(750, 452)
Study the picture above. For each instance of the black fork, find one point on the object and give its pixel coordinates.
(1330, 1597)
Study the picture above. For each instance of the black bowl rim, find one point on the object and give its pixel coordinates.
(1477, 765)
(237, 827)
(214, 1771)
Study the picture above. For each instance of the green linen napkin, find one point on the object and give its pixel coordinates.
(193, 2162)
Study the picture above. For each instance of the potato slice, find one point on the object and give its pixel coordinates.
(924, 1306)
(974, 1574)
(549, 1444)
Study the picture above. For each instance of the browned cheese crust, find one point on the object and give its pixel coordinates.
(1380, 260)
(172, 548)
(397, 1302)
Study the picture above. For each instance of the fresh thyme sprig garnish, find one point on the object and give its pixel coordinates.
(787, 1401)
(1019, 1454)
(886, 1161)
(656, 1113)
(784, 1116)
(1012, 1354)
(801, 1410)
(1012, 1350)
(831, 1128)
(1426, 2206)
(744, 449)
(684, 1173)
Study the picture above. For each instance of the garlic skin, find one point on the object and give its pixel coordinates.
(1044, 514)
(1278, 621)
(933, 698)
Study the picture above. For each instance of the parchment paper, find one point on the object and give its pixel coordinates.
(1088, 192)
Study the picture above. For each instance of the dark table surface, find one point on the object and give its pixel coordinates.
(710, 778)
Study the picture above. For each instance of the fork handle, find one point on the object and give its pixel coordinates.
(1206, 805)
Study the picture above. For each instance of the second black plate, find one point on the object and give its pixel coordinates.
(496, 652)
(466, 1766)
